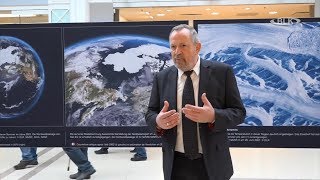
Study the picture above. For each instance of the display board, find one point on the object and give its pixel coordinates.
(88, 84)
(277, 67)
(82, 84)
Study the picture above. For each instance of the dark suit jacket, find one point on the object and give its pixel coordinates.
(218, 82)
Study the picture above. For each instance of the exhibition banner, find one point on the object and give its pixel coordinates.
(31, 86)
(277, 67)
(88, 84)
(79, 84)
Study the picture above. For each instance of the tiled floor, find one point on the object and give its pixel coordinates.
(53, 165)
(249, 164)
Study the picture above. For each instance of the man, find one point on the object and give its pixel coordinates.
(80, 158)
(29, 158)
(140, 153)
(103, 150)
(195, 145)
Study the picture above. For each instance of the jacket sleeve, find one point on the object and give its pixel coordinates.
(154, 108)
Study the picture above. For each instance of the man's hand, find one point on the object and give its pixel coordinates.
(204, 114)
(167, 119)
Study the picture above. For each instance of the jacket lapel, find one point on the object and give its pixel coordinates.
(172, 81)
(172, 98)
(204, 79)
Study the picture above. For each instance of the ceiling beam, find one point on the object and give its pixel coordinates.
(175, 3)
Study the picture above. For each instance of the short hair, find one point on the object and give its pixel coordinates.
(193, 32)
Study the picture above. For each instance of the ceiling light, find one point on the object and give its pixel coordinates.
(169, 10)
(147, 12)
(151, 17)
(208, 9)
(215, 13)
(247, 8)
(160, 14)
(17, 15)
(7, 15)
(30, 12)
(273, 12)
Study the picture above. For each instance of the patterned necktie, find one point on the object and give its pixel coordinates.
(189, 127)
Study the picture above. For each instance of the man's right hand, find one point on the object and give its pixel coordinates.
(167, 119)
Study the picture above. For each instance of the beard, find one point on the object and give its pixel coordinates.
(182, 64)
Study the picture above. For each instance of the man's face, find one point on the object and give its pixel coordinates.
(184, 51)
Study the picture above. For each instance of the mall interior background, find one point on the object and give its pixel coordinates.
(249, 163)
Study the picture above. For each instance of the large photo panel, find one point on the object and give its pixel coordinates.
(31, 83)
(109, 70)
(277, 67)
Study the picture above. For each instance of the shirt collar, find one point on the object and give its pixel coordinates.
(196, 68)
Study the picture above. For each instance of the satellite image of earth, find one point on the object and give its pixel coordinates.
(109, 79)
(278, 78)
(21, 77)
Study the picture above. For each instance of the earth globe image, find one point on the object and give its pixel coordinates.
(109, 79)
(22, 77)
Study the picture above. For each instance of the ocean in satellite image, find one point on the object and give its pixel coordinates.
(277, 69)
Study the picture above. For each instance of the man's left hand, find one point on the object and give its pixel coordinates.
(204, 114)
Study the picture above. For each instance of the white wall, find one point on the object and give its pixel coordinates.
(317, 8)
(101, 12)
